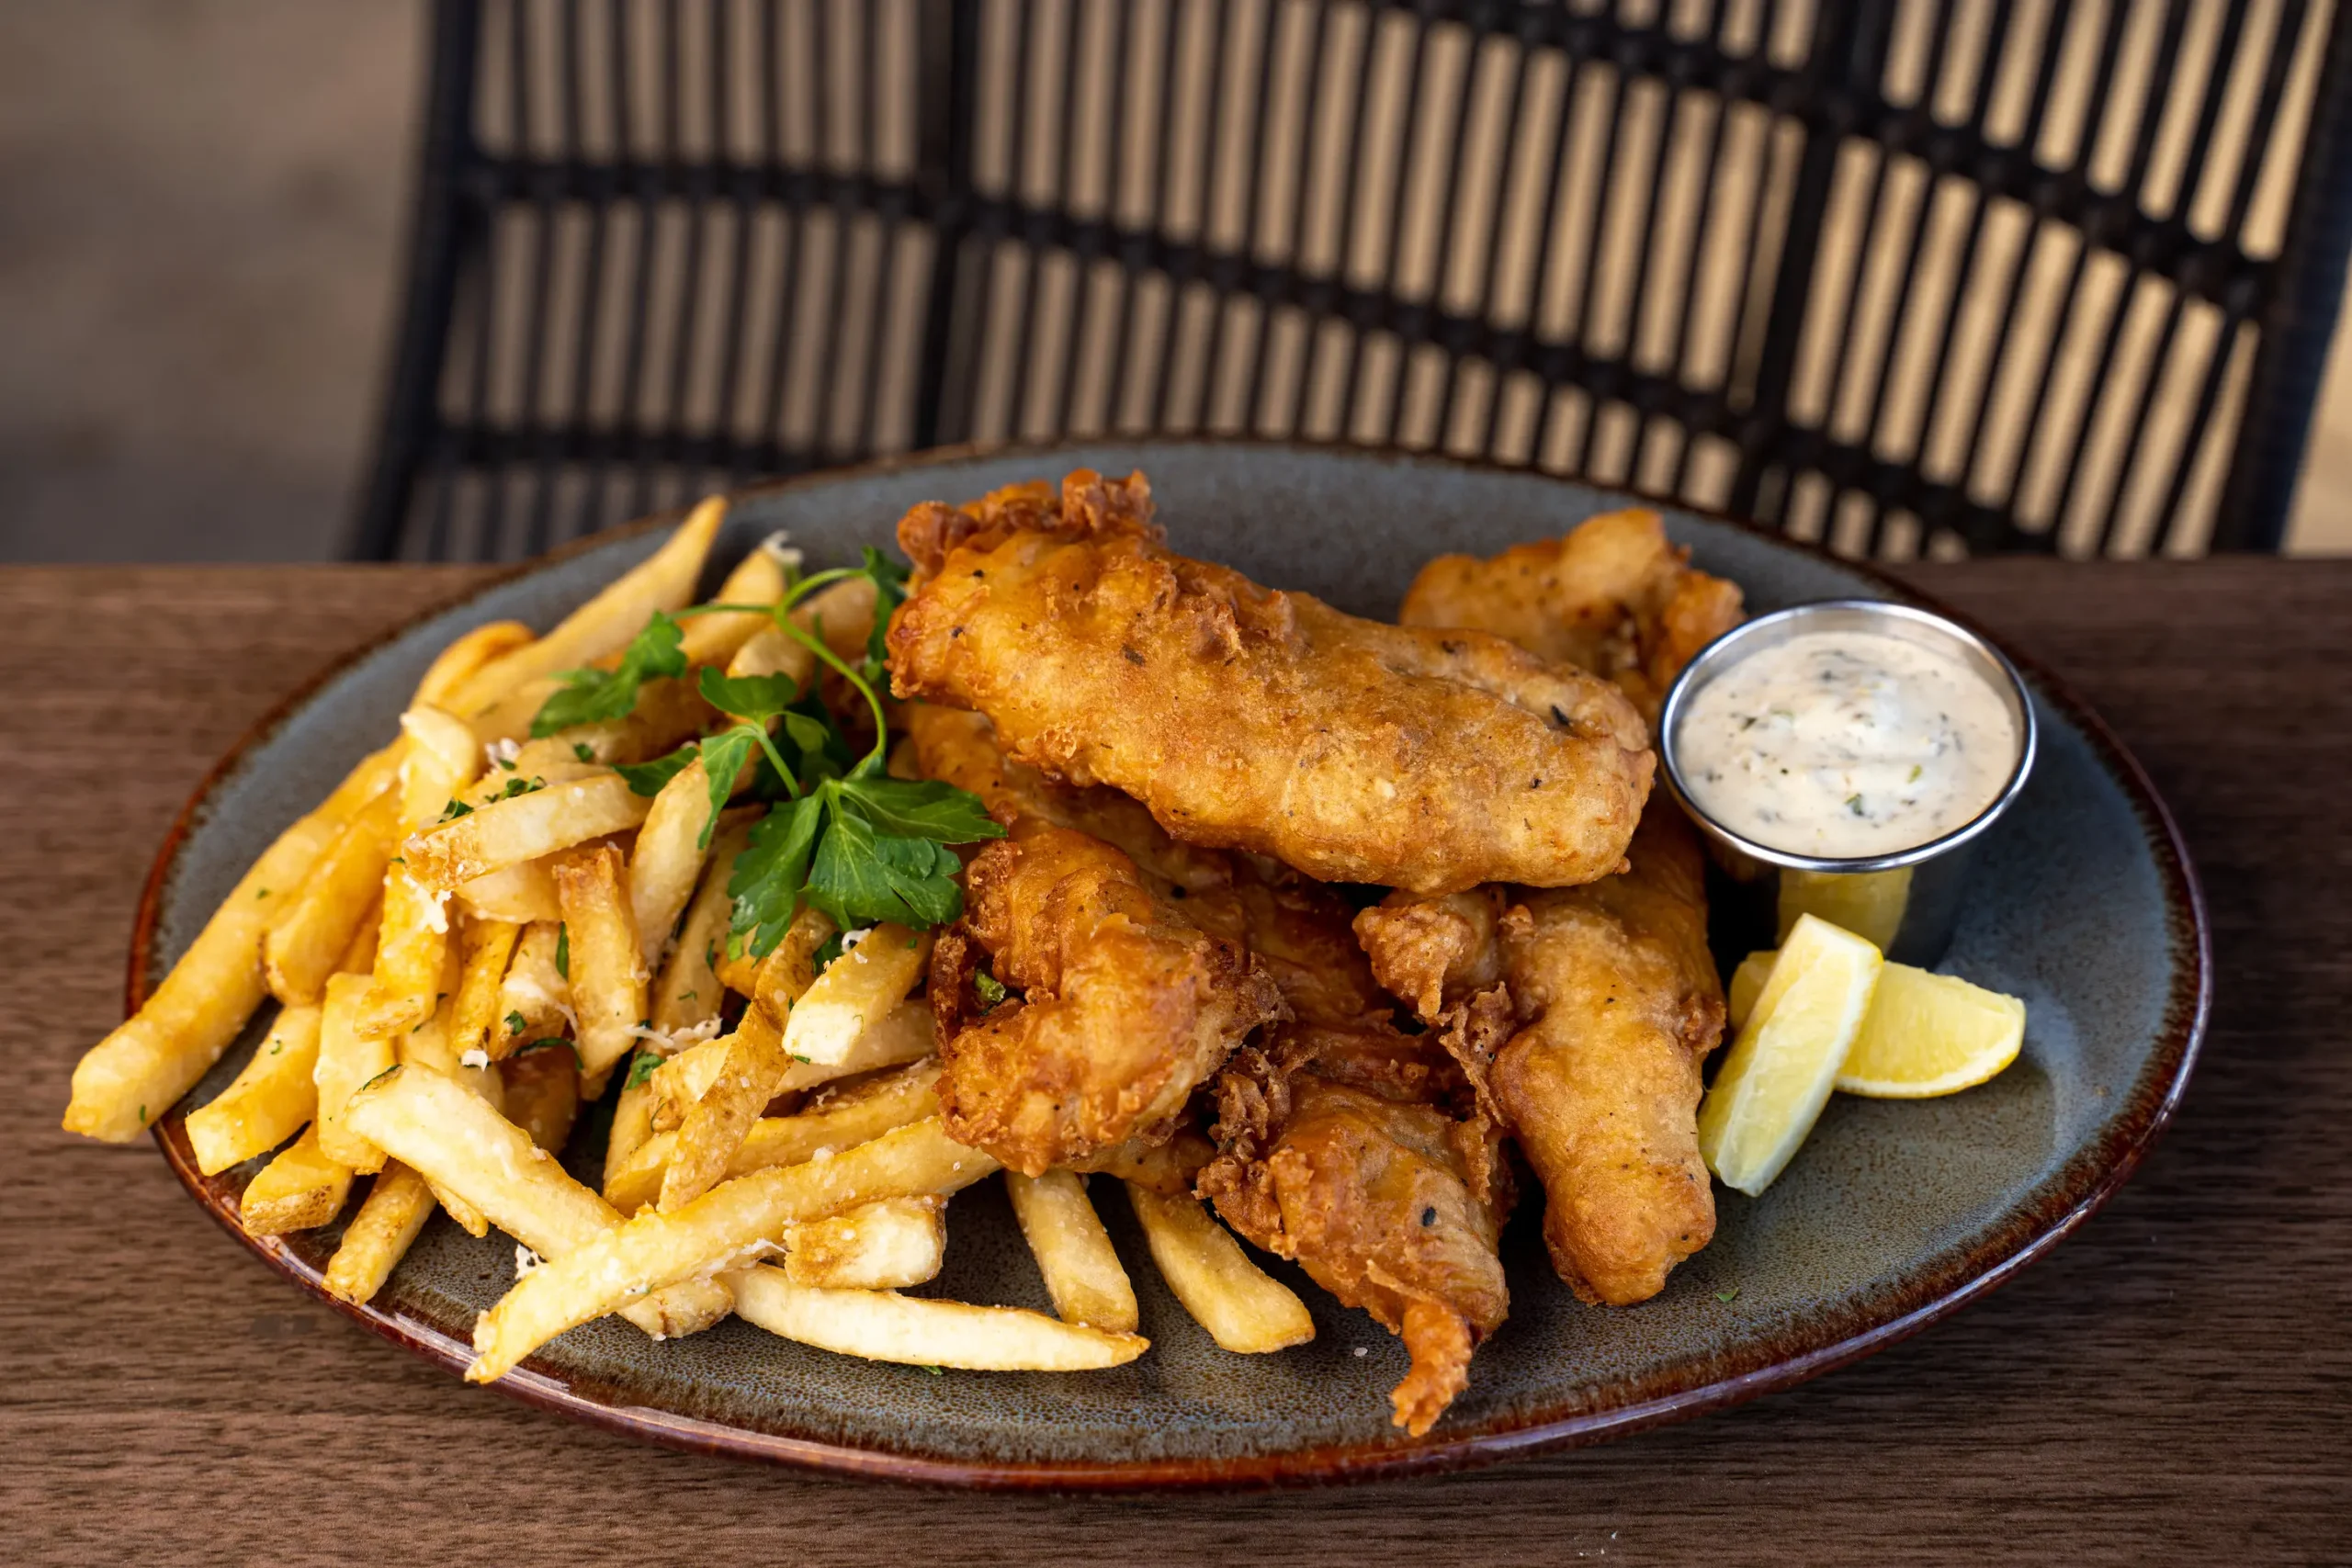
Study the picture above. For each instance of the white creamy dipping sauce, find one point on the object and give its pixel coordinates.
(1844, 744)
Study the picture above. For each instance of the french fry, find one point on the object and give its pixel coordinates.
(874, 1247)
(272, 1099)
(542, 1094)
(840, 614)
(715, 1127)
(427, 1048)
(359, 955)
(346, 1059)
(882, 1325)
(518, 895)
(412, 948)
(310, 933)
(535, 998)
(1073, 1251)
(857, 989)
(457, 663)
(664, 580)
(667, 712)
(758, 578)
(380, 1234)
(1244, 1309)
(487, 947)
(668, 858)
(785, 1140)
(300, 1189)
(784, 975)
(632, 1118)
(525, 828)
(727, 1227)
(464, 1147)
(688, 991)
(903, 1034)
(607, 968)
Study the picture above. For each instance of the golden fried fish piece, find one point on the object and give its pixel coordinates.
(1253, 719)
(1126, 1004)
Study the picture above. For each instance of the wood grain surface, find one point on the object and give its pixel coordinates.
(2173, 1385)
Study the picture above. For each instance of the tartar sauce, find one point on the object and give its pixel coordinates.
(1844, 744)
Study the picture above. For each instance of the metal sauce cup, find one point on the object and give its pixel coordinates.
(1906, 901)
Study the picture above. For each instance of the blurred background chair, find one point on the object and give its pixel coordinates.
(1929, 276)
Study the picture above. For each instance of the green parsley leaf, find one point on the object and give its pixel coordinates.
(647, 778)
(754, 697)
(890, 593)
(827, 951)
(505, 764)
(582, 750)
(380, 1078)
(769, 874)
(563, 951)
(142, 1116)
(1728, 1297)
(517, 1023)
(554, 1040)
(934, 1372)
(455, 809)
(591, 697)
(922, 808)
(991, 989)
(859, 876)
(641, 1068)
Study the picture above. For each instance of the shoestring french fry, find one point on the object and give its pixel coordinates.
(412, 948)
(300, 1189)
(309, 933)
(380, 1234)
(664, 581)
(886, 1245)
(522, 828)
(486, 947)
(902, 1036)
(359, 955)
(688, 991)
(882, 1325)
(455, 664)
(873, 974)
(600, 953)
(518, 895)
(733, 1224)
(272, 1099)
(464, 1147)
(784, 975)
(542, 1094)
(1243, 1308)
(757, 1060)
(346, 1060)
(1074, 1253)
(714, 638)
(785, 1140)
(667, 859)
(534, 999)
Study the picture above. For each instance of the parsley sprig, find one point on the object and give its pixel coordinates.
(841, 835)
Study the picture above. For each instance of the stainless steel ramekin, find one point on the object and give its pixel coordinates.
(1910, 898)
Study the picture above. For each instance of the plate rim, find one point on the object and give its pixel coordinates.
(2023, 1233)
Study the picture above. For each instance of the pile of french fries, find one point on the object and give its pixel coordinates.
(477, 931)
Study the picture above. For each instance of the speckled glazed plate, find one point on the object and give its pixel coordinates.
(1894, 1213)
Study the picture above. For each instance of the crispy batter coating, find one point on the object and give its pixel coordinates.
(1127, 1004)
(1611, 596)
(1340, 1149)
(1584, 1013)
(1297, 929)
(1247, 718)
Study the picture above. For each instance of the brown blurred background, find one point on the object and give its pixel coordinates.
(200, 224)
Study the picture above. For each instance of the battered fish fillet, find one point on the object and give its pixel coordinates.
(1585, 1012)
(1127, 1005)
(1299, 931)
(1247, 718)
(1613, 597)
(1345, 1151)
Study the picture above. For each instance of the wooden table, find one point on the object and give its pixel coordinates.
(2173, 1384)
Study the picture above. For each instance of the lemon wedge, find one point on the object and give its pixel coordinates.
(1929, 1034)
(1924, 1035)
(1779, 1071)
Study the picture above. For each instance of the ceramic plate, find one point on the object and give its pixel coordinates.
(2083, 903)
